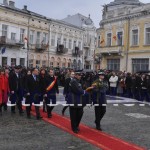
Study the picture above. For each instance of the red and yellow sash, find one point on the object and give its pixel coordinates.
(51, 85)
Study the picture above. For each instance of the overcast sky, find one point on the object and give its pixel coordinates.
(59, 9)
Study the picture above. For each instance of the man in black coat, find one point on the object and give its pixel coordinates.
(66, 89)
(33, 93)
(75, 98)
(16, 90)
(51, 94)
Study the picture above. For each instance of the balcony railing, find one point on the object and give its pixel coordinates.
(77, 52)
(38, 47)
(10, 42)
(86, 45)
(88, 58)
(60, 49)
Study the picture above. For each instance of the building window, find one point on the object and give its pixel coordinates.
(63, 65)
(43, 63)
(38, 38)
(37, 63)
(53, 40)
(51, 64)
(4, 30)
(31, 63)
(74, 44)
(99, 41)
(109, 39)
(4, 61)
(22, 35)
(147, 36)
(58, 41)
(140, 65)
(79, 45)
(22, 61)
(113, 64)
(58, 64)
(31, 36)
(45, 38)
(135, 37)
(69, 65)
(13, 61)
(13, 36)
(120, 38)
(70, 43)
(65, 42)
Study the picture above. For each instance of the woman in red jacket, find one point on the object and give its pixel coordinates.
(1, 85)
(5, 89)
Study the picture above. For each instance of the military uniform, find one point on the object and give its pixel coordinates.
(99, 100)
(75, 98)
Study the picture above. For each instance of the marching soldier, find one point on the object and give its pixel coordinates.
(66, 89)
(33, 93)
(75, 97)
(100, 87)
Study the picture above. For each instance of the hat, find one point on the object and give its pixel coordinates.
(17, 67)
(78, 72)
(101, 73)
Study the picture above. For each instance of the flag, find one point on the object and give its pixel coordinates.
(26, 38)
(114, 37)
(119, 37)
(47, 45)
(3, 50)
(102, 41)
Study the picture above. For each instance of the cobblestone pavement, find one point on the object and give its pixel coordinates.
(129, 122)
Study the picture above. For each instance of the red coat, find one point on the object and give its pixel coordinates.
(4, 87)
(1, 87)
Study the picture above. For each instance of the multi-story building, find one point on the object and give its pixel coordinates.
(30, 39)
(124, 36)
(89, 36)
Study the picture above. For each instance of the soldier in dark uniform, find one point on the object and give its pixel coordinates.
(67, 89)
(100, 87)
(33, 93)
(75, 97)
(16, 90)
(51, 95)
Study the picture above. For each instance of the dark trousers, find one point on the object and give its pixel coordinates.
(76, 114)
(145, 95)
(113, 91)
(16, 98)
(99, 114)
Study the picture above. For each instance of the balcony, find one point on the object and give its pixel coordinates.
(86, 45)
(88, 58)
(61, 49)
(9, 42)
(113, 50)
(77, 52)
(38, 47)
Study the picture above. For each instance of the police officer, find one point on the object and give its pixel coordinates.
(75, 97)
(67, 89)
(100, 87)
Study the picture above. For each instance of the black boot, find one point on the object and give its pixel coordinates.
(1, 110)
(5, 106)
(38, 117)
(28, 112)
(51, 108)
(49, 115)
(64, 109)
(13, 109)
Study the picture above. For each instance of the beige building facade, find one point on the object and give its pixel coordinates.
(123, 39)
(30, 39)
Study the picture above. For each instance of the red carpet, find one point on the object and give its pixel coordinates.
(97, 138)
